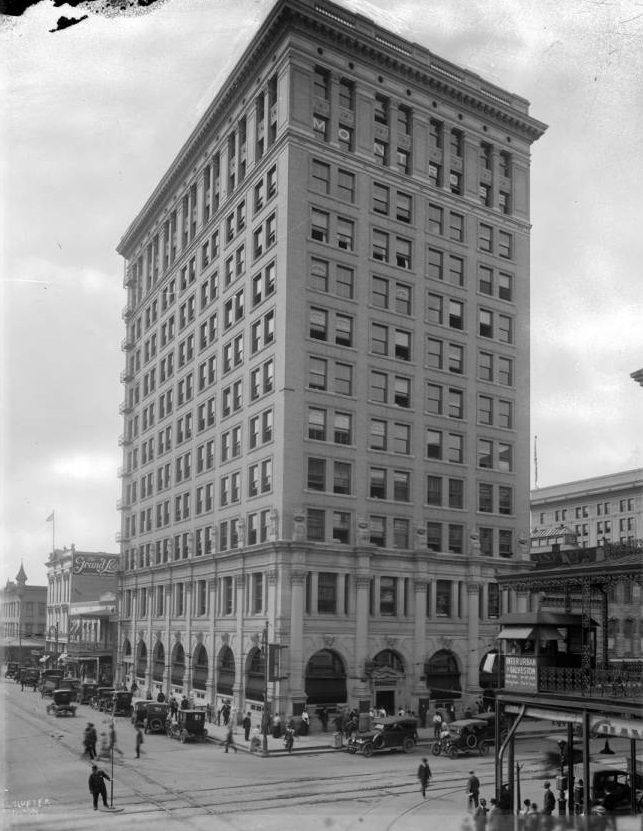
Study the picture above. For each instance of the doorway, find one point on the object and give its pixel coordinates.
(385, 700)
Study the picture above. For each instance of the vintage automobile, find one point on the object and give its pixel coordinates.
(12, 669)
(29, 676)
(138, 711)
(49, 683)
(189, 724)
(121, 703)
(62, 703)
(156, 717)
(612, 788)
(72, 684)
(87, 692)
(104, 700)
(390, 733)
(465, 736)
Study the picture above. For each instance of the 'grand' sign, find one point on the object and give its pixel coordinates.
(95, 565)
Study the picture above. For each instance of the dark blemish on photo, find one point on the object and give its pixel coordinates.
(66, 22)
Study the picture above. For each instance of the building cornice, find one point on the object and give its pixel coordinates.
(407, 60)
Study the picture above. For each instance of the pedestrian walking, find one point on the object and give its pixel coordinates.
(97, 786)
(185, 704)
(112, 740)
(549, 800)
(160, 697)
(139, 742)
(473, 790)
(480, 816)
(246, 724)
(87, 742)
(437, 725)
(323, 718)
(229, 740)
(276, 726)
(289, 738)
(208, 712)
(305, 722)
(93, 738)
(424, 775)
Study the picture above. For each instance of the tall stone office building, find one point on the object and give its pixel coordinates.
(326, 412)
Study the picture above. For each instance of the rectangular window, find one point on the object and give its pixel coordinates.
(327, 593)
(388, 597)
(319, 225)
(320, 177)
(434, 490)
(434, 536)
(433, 444)
(443, 598)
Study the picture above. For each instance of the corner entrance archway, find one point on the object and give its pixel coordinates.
(386, 671)
(325, 678)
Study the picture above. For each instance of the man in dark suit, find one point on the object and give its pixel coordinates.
(97, 785)
(424, 774)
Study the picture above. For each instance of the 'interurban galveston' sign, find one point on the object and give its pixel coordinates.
(95, 565)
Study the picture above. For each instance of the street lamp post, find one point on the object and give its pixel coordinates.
(266, 710)
(562, 782)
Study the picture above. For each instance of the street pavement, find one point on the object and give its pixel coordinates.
(198, 786)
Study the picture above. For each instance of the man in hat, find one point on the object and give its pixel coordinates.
(97, 786)
(424, 774)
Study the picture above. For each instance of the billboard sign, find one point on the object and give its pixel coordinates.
(521, 673)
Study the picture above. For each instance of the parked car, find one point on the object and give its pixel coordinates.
(62, 703)
(72, 684)
(189, 724)
(612, 788)
(139, 711)
(121, 703)
(156, 717)
(103, 701)
(87, 692)
(465, 736)
(390, 733)
(29, 676)
(12, 669)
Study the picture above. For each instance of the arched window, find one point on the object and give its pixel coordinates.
(225, 671)
(127, 648)
(325, 678)
(199, 667)
(141, 659)
(158, 662)
(443, 675)
(178, 665)
(389, 659)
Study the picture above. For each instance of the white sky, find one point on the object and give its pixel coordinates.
(92, 117)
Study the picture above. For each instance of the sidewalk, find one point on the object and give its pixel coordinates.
(318, 742)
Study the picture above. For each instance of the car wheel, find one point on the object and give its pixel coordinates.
(408, 745)
(367, 751)
(436, 749)
(452, 752)
(483, 747)
(155, 724)
(471, 741)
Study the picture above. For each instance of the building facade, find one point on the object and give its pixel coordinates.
(81, 610)
(23, 620)
(600, 509)
(326, 382)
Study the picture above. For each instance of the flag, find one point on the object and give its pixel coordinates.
(50, 518)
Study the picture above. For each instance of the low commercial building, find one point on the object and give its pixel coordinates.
(81, 598)
(23, 610)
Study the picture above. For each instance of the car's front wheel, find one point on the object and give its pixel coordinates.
(408, 745)
(436, 749)
(368, 750)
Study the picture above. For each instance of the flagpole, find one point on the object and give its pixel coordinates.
(53, 532)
